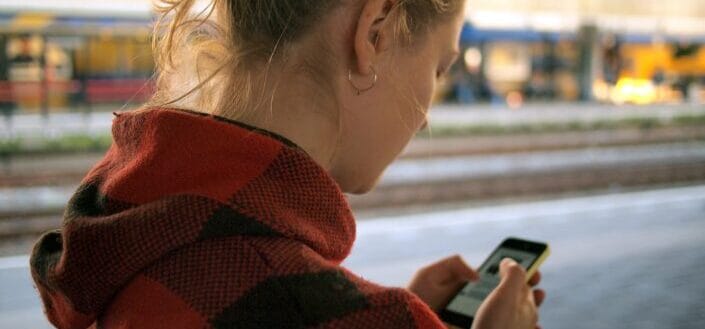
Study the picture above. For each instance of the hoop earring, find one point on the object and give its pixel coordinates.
(359, 91)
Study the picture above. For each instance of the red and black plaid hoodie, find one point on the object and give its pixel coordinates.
(194, 221)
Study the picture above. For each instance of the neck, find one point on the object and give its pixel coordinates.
(295, 108)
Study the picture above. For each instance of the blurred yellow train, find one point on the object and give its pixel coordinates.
(657, 72)
(48, 61)
(57, 61)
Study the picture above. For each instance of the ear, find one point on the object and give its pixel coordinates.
(369, 36)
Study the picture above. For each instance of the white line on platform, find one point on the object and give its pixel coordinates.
(561, 209)
(7, 263)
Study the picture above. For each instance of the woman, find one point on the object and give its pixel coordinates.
(221, 204)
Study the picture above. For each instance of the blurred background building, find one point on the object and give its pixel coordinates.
(65, 55)
(640, 52)
(62, 55)
(576, 122)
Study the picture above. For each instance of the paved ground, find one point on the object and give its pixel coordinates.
(633, 260)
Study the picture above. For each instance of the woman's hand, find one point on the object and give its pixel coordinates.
(513, 304)
(437, 283)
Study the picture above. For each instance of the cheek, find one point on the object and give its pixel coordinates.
(426, 91)
(424, 88)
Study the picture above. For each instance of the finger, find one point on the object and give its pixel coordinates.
(512, 274)
(451, 270)
(460, 269)
(539, 296)
(536, 279)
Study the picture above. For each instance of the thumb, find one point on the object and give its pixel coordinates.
(512, 274)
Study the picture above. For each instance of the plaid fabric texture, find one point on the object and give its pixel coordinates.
(194, 221)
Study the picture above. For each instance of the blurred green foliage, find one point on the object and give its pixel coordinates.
(629, 123)
(76, 143)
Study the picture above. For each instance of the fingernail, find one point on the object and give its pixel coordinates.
(509, 261)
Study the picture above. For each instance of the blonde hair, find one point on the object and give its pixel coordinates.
(223, 47)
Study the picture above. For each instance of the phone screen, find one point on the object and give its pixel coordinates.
(468, 300)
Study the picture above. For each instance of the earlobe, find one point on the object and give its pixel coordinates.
(359, 90)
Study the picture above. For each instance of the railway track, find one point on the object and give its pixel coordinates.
(30, 224)
(48, 170)
(70, 169)
(542, 183)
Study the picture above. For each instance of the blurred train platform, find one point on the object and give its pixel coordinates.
(620, 260)
(486, 162)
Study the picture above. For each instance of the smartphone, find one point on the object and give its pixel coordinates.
(461, 310)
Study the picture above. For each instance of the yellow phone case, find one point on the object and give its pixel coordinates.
(532, 270)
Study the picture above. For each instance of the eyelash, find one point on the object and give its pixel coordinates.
(445, 70)
(442, 73)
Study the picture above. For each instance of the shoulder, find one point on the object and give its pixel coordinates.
(263, 283)
(328, 295)
(387, 307)
(199, 285)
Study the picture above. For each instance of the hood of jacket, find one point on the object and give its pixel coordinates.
(173, 178)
